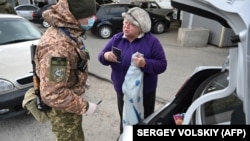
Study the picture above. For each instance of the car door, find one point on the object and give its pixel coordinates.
(115, 16)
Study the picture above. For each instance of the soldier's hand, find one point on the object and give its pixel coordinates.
(91, 109)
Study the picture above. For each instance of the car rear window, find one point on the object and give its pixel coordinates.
(117, 10)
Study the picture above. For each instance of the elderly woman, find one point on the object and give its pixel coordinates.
(136, 38)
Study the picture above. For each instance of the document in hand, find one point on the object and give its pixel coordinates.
(117, 53)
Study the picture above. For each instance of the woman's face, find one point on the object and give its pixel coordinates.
(130, 30)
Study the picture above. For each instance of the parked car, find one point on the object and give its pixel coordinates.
(26, 10)
(213, 95)
(110, 21)
(17, 34)
(154, 7)
(37, 15)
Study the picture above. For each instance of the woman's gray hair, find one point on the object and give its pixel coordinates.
(138, 17)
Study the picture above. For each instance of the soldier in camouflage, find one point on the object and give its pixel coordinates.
(6, 7)
(61, 64)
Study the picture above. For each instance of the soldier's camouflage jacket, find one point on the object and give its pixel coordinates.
(61, 83)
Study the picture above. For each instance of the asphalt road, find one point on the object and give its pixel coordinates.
(104, 124)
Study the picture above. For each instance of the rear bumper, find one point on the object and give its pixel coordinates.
(11, 104)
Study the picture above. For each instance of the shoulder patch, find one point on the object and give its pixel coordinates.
(58, 69)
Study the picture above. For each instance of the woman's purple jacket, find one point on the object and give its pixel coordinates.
(154, 55)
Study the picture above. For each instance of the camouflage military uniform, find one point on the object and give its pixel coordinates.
(66, 126)
(61, 82)
(6, 7)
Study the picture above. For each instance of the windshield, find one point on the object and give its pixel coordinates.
(17, 30)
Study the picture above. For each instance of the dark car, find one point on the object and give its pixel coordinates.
(104, 1)
(37, 15)
(110, 21)
(154, 7)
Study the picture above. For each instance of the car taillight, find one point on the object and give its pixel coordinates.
(33, 14)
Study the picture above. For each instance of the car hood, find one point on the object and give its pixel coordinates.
(16, 61)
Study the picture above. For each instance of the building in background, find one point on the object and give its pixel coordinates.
(13, 2)
(219, 35)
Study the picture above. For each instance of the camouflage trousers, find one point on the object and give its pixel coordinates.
(66, 126)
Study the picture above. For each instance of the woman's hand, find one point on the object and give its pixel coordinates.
(139, 60)
(110, 56)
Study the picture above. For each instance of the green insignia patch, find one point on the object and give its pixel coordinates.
(58, 69)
